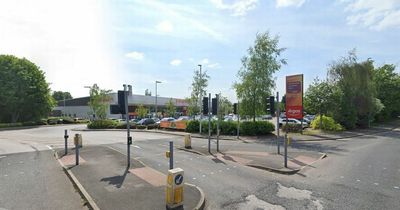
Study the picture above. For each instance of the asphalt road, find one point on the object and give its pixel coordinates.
(359, 173)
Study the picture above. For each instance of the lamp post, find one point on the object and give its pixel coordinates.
(201, 97)
(90, 88)
(156, 82)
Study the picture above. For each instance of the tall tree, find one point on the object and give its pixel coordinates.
(99, 99)
(141, 111)
(387, 83)
(147, 92)
(225, 106)
(171, 109)
(358, 104)
(193, 106)
(256, 79)
(199, 85)
(24, 92)
(321, 97)
(60, 95)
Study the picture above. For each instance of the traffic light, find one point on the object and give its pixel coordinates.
(214, 106)
(205, 105)
(272, 105)
(121, 102)
(284, 102)
(235, 111)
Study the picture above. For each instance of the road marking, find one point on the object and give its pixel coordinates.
(384, 168)
(341, 177)
(204, 175)
(395, 187)
(5, 175)
(227, 168)
(194, 178)
(3, 156)
(234, 166)
(50, 148)
(376, 183)
(212, 173)
(136, 146)
(358, 180)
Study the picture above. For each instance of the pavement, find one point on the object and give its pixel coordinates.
(266, 158)
(107, 183)
(34, 180)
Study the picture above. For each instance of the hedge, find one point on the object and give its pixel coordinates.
(230, 128)
(102, 124)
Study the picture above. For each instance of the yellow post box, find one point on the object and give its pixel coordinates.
(188, 141)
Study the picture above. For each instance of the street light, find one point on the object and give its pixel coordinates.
(156, 82)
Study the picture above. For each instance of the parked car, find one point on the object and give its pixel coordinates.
(291, 121)
(146, 121)
(266, 117)
(170, 119)
(184, 118)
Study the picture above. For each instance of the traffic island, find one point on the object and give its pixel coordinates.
(110, 184)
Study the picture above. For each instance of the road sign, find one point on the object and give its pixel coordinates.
(294, 96)
(178, 179)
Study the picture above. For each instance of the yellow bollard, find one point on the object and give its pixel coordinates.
(174, 189)
(188, 141)
(289, 139)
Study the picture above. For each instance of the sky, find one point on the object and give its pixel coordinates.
(78, 43)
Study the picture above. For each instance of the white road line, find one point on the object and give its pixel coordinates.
(396, 187)
(376, 183)
(136, 146)
(227, 168)
(194, 178)
(3, 156)
(50, 148)
(234, 166)
(212, 173)
(204, 175)
(358, 180)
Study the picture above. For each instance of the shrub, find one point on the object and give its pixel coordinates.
(7, 125)
(228, 128)
(102, 124)
(140, 126)
(123, 125)
(328, 124)
(192, 126)
(294, 128)
(152, 126)
(251, 128)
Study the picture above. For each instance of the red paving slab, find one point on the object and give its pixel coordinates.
(150, 175)
(70, 160)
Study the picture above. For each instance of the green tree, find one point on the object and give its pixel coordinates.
(358, 103)
(99, 99)
(321, 97)
(193, 106)
(141, 111)
(225, 106)
(60, 95)
(24, 92)
(387, 83)
(256, 74)
(199, 85)
(171, 109)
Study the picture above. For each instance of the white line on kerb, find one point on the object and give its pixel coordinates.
(3, 156)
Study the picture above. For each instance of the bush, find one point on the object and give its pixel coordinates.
(328, 124)
(192, 126)
(8, 125)
(152, 126)
(228, 128)
(123, 125)
(251, 128)
(141, 126)
(102, 124)
(294, 128)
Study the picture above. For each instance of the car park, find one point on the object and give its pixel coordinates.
(146, 121)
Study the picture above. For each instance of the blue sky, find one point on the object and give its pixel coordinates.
(137, 42)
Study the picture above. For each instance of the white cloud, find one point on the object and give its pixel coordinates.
(238, 7)
(165, 26)
(289, 3)
(374, 14)
(176, 62)
(213, 65)
(135, 55)
(204, 61)
(73, 49)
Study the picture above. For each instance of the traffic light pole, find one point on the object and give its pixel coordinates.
(129, 138)
(218, 119)
(209, 123)
(277, 122)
